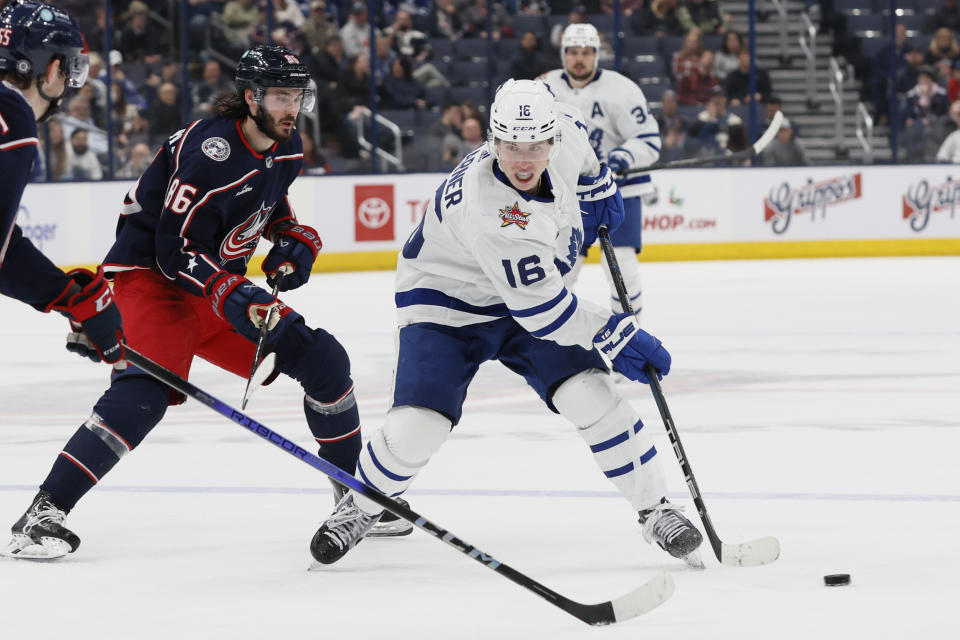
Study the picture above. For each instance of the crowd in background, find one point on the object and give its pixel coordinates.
(702, 111)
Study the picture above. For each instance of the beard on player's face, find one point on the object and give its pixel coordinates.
(276, 129)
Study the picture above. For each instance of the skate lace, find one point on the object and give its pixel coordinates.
(348, 524)
(44, 513)
(664, 523)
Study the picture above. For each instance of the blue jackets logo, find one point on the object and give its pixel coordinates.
(216, 149)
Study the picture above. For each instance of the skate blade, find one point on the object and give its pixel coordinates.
(694, 561)
(24, 548)
(393, 529)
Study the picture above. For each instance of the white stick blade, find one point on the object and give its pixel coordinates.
(267, 365)
(651, 595)
(750, 554)
(769, 134)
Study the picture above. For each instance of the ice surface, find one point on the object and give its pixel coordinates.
(818, 401)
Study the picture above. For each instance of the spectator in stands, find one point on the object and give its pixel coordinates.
(657, 18)
(200, 12)
(783, 150)
(165, 114)
(137, 163)
(949, 151)
(446, 20)
(475, 19)
(401, 90)
(95, 36)
(472, 133)
(771, 105)
(946, 16)
(727, 58)
(943, 52)
(123, 111)
(327, 65)
(705, 14)
(318, 28)
(314, 162)
(627, 7)
(355, 84)
(356, 32)
(953, 85)
(79, 109)
(907, 75)
(443, 138)
(688, 57)
(82, 163)
(737, 82)
(205, 92)
(289, 13)
(239, 19)
(139, 130)
(415, 45)
(577, 15)
(58, 150)
(669, 116)
(130, 90)
(880, 71)
(530, 61)
(700, 83)
(137, 42)
(712, 128)
(541, 7)
(926, 105)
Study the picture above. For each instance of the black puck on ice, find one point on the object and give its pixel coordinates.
(837, 579)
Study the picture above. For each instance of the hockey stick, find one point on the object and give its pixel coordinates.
(756, 148)
(265, 371)
(747, 554)
(639, 601)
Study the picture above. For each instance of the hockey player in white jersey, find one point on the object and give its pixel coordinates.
(482, 278)
(622, 132)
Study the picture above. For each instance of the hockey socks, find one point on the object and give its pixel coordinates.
(336, 428)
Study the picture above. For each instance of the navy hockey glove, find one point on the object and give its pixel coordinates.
(608, 211)
(630, 348)
(246, 306)
(96, 328)
(619, 160)
(295, 247)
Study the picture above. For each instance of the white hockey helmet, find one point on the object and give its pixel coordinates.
(580, 35)
(523, 111)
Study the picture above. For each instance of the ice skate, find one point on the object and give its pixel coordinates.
(665, 525)
(39, 534)
(389, 526)
(342, 531)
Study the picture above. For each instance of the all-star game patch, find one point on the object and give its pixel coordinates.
(216, 148)
(513, 215)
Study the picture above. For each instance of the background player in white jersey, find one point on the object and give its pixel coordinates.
(622, 132)
(482, 278)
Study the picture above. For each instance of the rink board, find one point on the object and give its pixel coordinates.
(696, 214)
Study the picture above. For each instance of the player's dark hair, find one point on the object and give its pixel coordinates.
(18, 80)
(230, 104)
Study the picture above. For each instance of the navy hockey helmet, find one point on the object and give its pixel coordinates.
(266, 66)
(33, 33)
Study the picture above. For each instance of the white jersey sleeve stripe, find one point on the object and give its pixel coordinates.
(435, 298)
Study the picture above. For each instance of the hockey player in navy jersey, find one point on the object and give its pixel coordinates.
(622, 132)
(41, 54)
(483, 278)
(186, 232)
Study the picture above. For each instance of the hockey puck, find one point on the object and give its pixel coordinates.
(837, 580)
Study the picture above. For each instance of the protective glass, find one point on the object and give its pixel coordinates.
(524, 151)
(78, 67)
(281, 99)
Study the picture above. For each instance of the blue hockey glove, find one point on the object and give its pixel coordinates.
(630, 348)
(246, 306)
(96, 328)
(295, 247)
(619, 160)
(608, 211)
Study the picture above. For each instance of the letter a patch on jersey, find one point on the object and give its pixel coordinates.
(513, 215)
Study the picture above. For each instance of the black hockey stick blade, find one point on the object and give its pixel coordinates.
(650, 595)
(747, 554)
(756, 148)
(256, 366)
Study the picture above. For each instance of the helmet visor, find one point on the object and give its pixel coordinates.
(78, 66)
(284, 99)
(510, 151)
